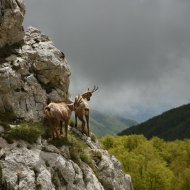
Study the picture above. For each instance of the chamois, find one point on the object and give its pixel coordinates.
(57, 113)
(83, 109)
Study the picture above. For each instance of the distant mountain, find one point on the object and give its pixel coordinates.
(102, 124)
(170, 125)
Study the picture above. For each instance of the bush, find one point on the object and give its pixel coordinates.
(76, 149)
(96, 154)
(27, 131)
(107, 142)
(93, 137)
(60, 142)
(79, 152)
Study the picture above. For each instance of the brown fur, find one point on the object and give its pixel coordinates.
(57, 113)
(83, 110)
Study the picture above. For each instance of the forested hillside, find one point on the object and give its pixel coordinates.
(104, 124)
(153, 164)
(171, 125)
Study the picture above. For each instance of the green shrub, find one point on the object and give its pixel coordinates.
(79, 151)
(27, 131)
(86, 157)
(93, 137)
(75, 155)
(76, 148)
(107, 142)
(60, 142)
(96, 154)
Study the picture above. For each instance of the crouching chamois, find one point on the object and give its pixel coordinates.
(82, 109)
(56, 113)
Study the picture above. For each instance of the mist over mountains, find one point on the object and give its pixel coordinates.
(136, 51)
(107, 124)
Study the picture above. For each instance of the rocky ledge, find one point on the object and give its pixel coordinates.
(43, 166)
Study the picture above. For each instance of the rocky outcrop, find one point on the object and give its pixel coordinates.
(32, 69)
(11, 18)
(43, 166)
(31, 73)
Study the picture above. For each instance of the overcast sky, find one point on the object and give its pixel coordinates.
(136, 51)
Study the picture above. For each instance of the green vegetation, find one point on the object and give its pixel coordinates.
(154, 164)
(93, 137)
(102, 124)
(79, 151)
(171, 125)
(60, 142)
(27, 131)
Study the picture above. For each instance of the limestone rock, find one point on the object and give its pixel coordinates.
(44, 166)
(30, 74)
(11, 18)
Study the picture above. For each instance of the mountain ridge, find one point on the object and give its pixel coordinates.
(170, 125)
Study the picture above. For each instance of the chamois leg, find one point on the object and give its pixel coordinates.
(52, 130)
(83, 123)
(66, 129)
(61, 127)
(56, 132)
(75, 120)
(87, 123)
(56, 129)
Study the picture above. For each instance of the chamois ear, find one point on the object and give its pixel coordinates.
(88, 89)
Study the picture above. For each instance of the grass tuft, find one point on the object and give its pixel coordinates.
(60, 142)
(27, 131)
(93, 137)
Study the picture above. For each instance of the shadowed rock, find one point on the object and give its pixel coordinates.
(11, 18)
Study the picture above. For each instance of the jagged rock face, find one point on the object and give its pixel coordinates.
(43, 166)
(32, 70)
(11, 18)
(31, 73)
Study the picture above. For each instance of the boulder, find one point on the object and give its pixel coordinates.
(11, 18)
(31, 74)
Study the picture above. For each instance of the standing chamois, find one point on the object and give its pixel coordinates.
(56, 113)
(82, 110)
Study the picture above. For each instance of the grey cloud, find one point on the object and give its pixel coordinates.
(135, 50)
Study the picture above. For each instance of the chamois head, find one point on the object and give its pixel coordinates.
(87, 95)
